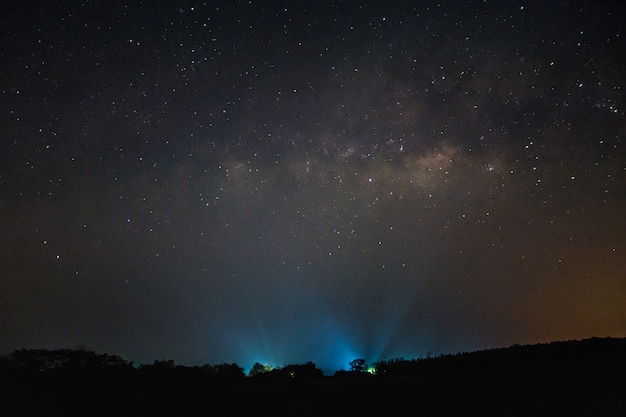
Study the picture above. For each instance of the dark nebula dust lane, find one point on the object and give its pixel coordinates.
(218, 182)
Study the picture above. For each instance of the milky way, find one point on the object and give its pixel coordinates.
(253, 181)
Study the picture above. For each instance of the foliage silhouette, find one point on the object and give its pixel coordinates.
(581, 378)
(358, 365)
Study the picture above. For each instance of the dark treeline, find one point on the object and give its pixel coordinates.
(586, 377)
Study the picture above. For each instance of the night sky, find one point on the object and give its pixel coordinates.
(283, 182)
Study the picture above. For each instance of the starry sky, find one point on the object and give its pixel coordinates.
(283, 182)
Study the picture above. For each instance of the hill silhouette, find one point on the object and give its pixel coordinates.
(568, 378)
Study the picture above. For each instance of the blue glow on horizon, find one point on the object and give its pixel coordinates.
(331, 348)
(331, 336)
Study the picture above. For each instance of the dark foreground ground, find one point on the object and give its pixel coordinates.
(575, 378)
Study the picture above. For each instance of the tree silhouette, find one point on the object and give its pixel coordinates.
(258, 368)
(559, 378)
(228, 371)
(358, 365)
